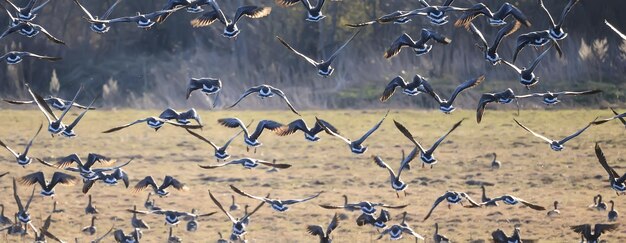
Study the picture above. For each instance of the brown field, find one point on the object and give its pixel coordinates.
(531, 170)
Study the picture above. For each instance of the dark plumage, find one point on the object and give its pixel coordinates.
(420, 47)
(231, 30)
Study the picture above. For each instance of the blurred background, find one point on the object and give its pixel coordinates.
(138, 68)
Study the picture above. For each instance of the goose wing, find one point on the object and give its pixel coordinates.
(533, 133)
(334, 55)
(115, 129)
(240, 192)
(282, 95)
(564, 140)
(318, 128)
(566, 11)
(468, 84)
(390, 89)
(278, 166)
(333, 224)
(33, 178)
(437, 202)
(148, 181)
(436, 144)
(173, 182)
(292, 127)
(264, 124)
(308, 59)
(531, 205)
(84, 10)
(253, 12)
(372, 130)
(219, 205)
(110, 10)
(331, 132)
(9, 149)
(537, 60)
(384, 165)
(294, 201)
(245, 94)
(43, 106)
(408, 135)
(612, 173)
(47, 34)
(203, 138)
(507, 30)
(398, 43)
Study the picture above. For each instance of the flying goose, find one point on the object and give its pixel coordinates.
(535, 39)
(451, 197)
(499, 236)
(265, 91)
(29, 30)
(90, 208)
(170, 5)
(511, 200)
(233, 206)
(251, 139)
(436, 14)
(395, 231)
(91, 229)
(55, 102)
(617, 116)
(192, 225)
(613, 214)
(324, 67)
(495, 18)
(420, 47)
(84, 168)
(438, 238)
(247, 163)
(504, 97)
(555, 212)
(230, 25)
(99, 28)
(47, 187)
(160, 190)
(181, 117)
(276, 204)
(144, 21)
(396, 183)
(69, 129)
(426, 156)
(378, 222)
(56, 125)
(556, 28)
(356, 145)
(324, 235)
(15, 57)
(526, 75)
(110, 179)
(314, 12)
(239, 224)
(365, 206)
(615, 180)
(15, 229)
(491, 52)
(310, 134)
(551, 98)
(411, 89)
(153, 122)
(40, 236)
(121, 237)
(22, 211)
(445, 105)
(208, 86)
(172, 217)
(220, 152)
(22, 158)
(600, 206)
(396, 17)
(138, 223)
(4, 220)
(29, 12)
(615, 30)
(554, 144)
(486, 200)
(171, 238)
(593, 235)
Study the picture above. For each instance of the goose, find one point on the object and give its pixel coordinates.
(279, 205)
(239, 224)
(411, 89)
(208, 86)
(495, 18)
(601, 206)
(426, 156)
(55, 209)
(436, 14)
(451, 197)
(138, 223)
(99, 28)
(535, 39)
(356, 146)
(170, 5)
(144, 21)
(172, 217)
(554, 212)
(273, 168)
(438, 238)
(495, 164)
(4, 220)
(90, 208)
(171, 238)
(314, 12)
(181, 117)
(554, 144)
(68, 131)
(500, 237)
(491, 52)
(593, 235)
(15, 229)
(486, 199)
(378, 222)
(615, 30)
(84, 168)
(324, 235)
(22, 158)
(365, 207)
(29, 12)
(445, 105)
(91, 229)
(40, 237)
(30, 30)
(221, 239)
(324, 67)
(233, 206)
(55, 125)
(247, 163)
(551, 98)
(396, 183)
(396, 17)
(192, 225)
(121, 237)
(47, 187)
(617, 116)
(22, 211)
(310, 134)
(615, 180)
(512, 200)
(556, 29)
(504, 97)
(265, 91)
(99, 239)
(168, 181)
(220, 152)
(395, 231)
(230, 25)
(251, 139)
(613, 214)
(15, 57)
(155, 123)
(108, 179)
(56, 102)
(148, 204)
(527, 75)
(420, 47)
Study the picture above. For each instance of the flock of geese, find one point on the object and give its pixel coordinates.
(73, 169)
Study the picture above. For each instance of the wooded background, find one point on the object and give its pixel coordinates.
(132, 67)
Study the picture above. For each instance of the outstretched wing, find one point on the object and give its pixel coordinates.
(308, 59)
(466, 85)
(372, 130)
(293, 201)
(202, 138)
(240, 192)
(331, 132)
(482, 103)
(396, 46)
(437, 202)
(148, 181)
(615, 30)
(115, 129)
(245, 94)
(62, 178)
(564, 140)
(252, 12)
(173, 182)
(334, 55)
(408, 135)
(533, 133)
(219, 205)
(436, 144)
(282, 95)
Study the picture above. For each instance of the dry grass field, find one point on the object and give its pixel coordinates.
(530, 170)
